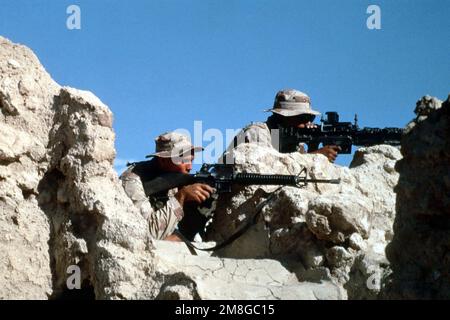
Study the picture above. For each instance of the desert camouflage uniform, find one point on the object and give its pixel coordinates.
(162, 213)
(259, 133)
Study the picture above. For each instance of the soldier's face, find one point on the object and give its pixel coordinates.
(185, 165)
(182, 165)
(300, 121)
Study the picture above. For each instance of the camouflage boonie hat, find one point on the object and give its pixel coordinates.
(290, 102)
(173, 144)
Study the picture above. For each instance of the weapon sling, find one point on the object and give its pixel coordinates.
(250, 221)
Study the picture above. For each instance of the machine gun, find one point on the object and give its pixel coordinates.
(333, 132)
(223, 176)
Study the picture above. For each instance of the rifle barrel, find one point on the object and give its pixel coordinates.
(277, 179)
(265, 179)
(333, 181)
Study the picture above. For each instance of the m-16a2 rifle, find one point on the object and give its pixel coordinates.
(342, 134)
(223, 176)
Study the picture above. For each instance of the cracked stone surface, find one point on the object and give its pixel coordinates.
(224, 278)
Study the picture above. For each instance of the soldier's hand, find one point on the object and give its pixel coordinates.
(330, 152)
(197, 192)
(173, 237)
(308, 125)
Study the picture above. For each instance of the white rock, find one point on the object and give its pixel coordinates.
(357, 242)
(13, 63)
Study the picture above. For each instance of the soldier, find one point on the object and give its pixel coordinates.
(291, 108)
(174, 153)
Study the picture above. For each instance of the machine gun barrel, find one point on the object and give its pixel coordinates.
(372, 136)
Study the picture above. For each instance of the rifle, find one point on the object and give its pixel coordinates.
(223, 176)
(333, 132)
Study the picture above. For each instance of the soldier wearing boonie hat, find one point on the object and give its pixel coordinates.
(291, 108)
(173, 145)
(291, 102)
(174, 153)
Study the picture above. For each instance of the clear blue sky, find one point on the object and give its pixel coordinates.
(161, 64)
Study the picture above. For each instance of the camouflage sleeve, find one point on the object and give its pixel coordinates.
(163, 221)
(259, 133)
(254, 133)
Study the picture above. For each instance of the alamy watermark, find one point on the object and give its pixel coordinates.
(373, 22)
(73, 21)
(74, 279)
(374, 280)
(219, 146)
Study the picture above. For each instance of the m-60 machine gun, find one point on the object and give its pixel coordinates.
(342, 134)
